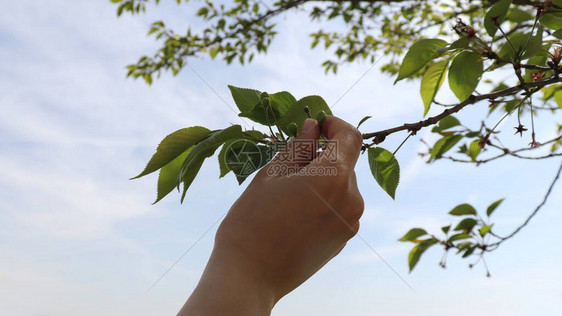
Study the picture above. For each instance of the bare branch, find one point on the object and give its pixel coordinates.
(414, 127)
(533, 213)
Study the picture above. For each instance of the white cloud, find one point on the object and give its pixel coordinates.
(66, 205)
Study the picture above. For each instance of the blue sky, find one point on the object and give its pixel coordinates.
(77, 237)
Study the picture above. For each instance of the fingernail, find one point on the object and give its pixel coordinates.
(308, 125)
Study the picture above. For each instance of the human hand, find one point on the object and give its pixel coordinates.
(288, 223)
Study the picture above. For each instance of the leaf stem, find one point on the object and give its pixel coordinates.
(399, 146)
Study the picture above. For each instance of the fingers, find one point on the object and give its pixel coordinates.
(302, 149)
(344, 138)
(299, 152)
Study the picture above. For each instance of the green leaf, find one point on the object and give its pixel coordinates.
(443, 145)
(469, 251)
(417, 252)
(213, 52)
(499, 11)
(174, 145)
(385, 169)
(468, 247)
(463, 209)
(558, 98)
(445, 229)
(296, 113)
(517, 15)
(558, 34)
(418, 56)
(493, 207)
(485, 229)
(552, 21)
(223, 167)
(466, 225)
(282, 101)
(463, 42)
(548, 92)
(474, 150)
(521, 42)
(168, 176)
(446, 123)
(246, 99)
(269, 113)
(188, 173)
(204, 149)
(464, 245)
(363, 120)
(460, 236)
(534, 47)
(431, 82)
(464, 74)
(413, 234)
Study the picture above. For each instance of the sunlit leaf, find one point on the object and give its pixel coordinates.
(443, 145)
(459, 236)
(174, 145)
(417, 252)
(413, 234)
(485, 229)
(202, 150)
(446, 123)
(431, 82)
(493, 207)
(363, 120)
(552, 21)
(168, 176)
(466, 224)
(418, 56)
(474, 150)
(385, 169)
(464, 74)
(463, 209)
(246, 99)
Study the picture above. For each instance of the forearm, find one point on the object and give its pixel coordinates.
(229, 287)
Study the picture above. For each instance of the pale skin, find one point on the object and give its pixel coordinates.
(282, 229)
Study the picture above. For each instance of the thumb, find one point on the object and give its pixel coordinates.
(302, 149)
(310, 130)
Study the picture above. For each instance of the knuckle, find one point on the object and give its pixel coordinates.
(355, 209)
(352, 231)
(355, 137)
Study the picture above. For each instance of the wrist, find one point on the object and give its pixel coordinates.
(231, 284)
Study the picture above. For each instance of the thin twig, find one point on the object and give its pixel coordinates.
(414, 127)
(534, 212)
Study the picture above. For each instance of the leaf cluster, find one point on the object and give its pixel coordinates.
(469, 237)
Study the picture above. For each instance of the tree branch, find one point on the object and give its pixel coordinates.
(532, 214)
(380, 136)
(508, 152)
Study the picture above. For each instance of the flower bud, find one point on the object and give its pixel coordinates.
(266, 102)
(292, 129)
(321, 117)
